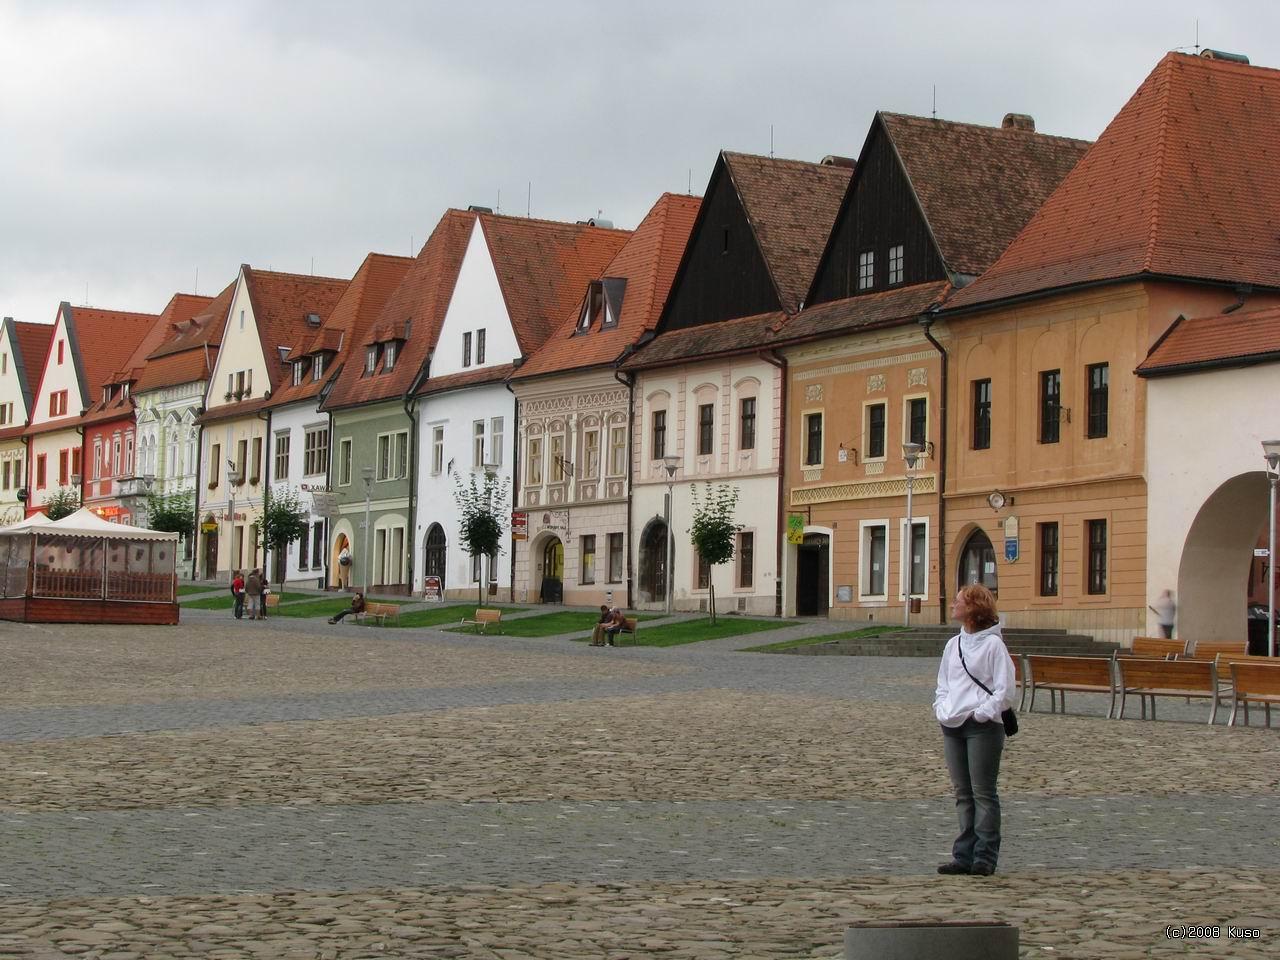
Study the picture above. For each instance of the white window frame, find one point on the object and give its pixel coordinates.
(533, 462)
(97, 459)
(371, 360)
(317, 367)
(495, 439)
(318, 455)
(383, 454)
(344, 462)
(866, 270)
(297, 373)
(480, 347)
(617, 450)
(864, 553)
(804, 439)
(590, 471)
(389, 355)
(904, 546)
(277, 454)
(437, 450)
(898, 252)
(478, 437)
(906, 419)
(866, 431)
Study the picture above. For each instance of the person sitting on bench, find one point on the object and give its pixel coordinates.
(357, 606)
(609, 627)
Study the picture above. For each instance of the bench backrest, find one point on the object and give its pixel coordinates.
(1159, 647)
(629, 624)
(1089, 671)
(1208, 649)
(380, 609)
(1168, 674)
(488, 616)
(273, 599)
(1224, 661)
(1263, 678)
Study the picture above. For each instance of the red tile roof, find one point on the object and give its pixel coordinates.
(468, 378)
(229, 411)
(281, 304)
(978, 185)
(366, 295)
(417, 306)
(202, 328)
(543, 267)
(791, 205)
(1182, 183)
(1225, 340)
(102, 341)
(767, 331)
(648, 264)
(31, 340)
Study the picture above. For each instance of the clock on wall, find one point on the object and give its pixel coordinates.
(996, 500)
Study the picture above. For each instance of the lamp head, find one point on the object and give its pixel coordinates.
(1271, 453)
(911, 453)
(670, 464)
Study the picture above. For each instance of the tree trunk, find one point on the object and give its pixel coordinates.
(479, 585)
(712, 584)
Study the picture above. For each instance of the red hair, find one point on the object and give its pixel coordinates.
(980, 603)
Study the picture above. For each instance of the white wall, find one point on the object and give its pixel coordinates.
(1203, 430)
(14, 452)
(681, 390)
(296, 419)
(241, 350)
(457, 412)
(477, 302)
(59, 376)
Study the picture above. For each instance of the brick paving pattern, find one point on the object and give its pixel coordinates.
(286, 789)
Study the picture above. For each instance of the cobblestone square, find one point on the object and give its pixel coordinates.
(288, 789)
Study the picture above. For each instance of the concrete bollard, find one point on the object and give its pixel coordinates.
(931, 940)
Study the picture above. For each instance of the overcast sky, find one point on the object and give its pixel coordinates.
(143, 142)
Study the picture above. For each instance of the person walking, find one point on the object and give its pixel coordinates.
(975, 686)
(1166, 612)
(253, 590)
(237, 591)
(357, 606)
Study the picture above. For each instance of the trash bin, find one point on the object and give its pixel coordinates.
(1257, 624)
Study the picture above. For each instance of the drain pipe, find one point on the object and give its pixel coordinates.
(630, 383)
(515, 480)
(410, 403)
(774, 359)
(926, 324)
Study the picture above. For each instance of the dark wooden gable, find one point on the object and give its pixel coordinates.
(722, 274)
(880, 211)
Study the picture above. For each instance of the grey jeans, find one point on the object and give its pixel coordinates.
(973, 761)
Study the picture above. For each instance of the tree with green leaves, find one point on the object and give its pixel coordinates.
(484, 517)
(284, 520)
(174, 513)
(63, 502)
(713, 531)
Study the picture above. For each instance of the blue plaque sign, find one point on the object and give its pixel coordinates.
(1011, 550)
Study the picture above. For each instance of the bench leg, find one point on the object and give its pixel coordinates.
(1153, 706)
(1266, 707)
(1124, 699)
(1231, 720)
(1213, 710)
(1246, 712)
(1031, 707)
(1111, 710)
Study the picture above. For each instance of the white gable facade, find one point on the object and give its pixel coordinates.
(54, 454)
(460, 431)
(13, 416)
(299, 453)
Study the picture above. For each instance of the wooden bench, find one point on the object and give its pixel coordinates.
(484, 619)
(273, 601)
(1159, 647)
(632, 626)
(379, 613)
(1060, 674)
(1254, 681)
(1167, 678)
(1208, 649)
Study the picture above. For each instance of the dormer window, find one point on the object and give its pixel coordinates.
(371, 360)
(317, 366)
(106, 394)
(297, 373)
(389, 355)
(593, 306)
(480, 346)
(124, 390)
(866, 269)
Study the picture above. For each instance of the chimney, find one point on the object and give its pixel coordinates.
(1223, 55)
(1019, 121)
(832, 160)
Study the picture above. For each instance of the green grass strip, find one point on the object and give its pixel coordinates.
(695, 631)
(226, 601)
(545, 625)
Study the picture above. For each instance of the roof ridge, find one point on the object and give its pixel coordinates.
(987, 127)
(259, 272)
(514, 218)
(1161, 87)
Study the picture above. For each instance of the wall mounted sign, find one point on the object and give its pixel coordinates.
(1010, 551)
(795, 528)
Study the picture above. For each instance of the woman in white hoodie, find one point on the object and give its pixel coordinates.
(972, 732)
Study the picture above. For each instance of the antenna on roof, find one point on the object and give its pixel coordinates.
(86, 293)
(412, 238)
(1197, 36)
(528, 202)
(935, 101)
(313, 266)
(689, 189)
(497, 207)
(197, 286)
(771, 141)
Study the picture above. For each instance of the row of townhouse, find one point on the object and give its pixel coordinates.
(920, 368)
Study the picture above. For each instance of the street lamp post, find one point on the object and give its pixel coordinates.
(669, 464)
(911, 454)
(490, 470)
(233, 477)
(367, 474)
(1271, 453)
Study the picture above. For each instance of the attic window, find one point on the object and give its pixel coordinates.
(313, 319)
(725, 248)
(317, 366)
(866, 269)
(593, 306)
(106, 394)
(371, 360)
(389, 355)
(284, 352)
(895, 265)
(297, 372)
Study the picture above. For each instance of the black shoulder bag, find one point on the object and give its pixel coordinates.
(1008, 717)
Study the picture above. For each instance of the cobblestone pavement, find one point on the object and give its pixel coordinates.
(285, 790)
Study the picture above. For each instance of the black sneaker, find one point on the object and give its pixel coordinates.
(982, 869)
(954, 868)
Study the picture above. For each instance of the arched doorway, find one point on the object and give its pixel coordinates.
(813, 573)
(1216, 570)
(977, 563)
(434, 550)
(653, 562)
(339, 572)
(551, 589)
(210, 528)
